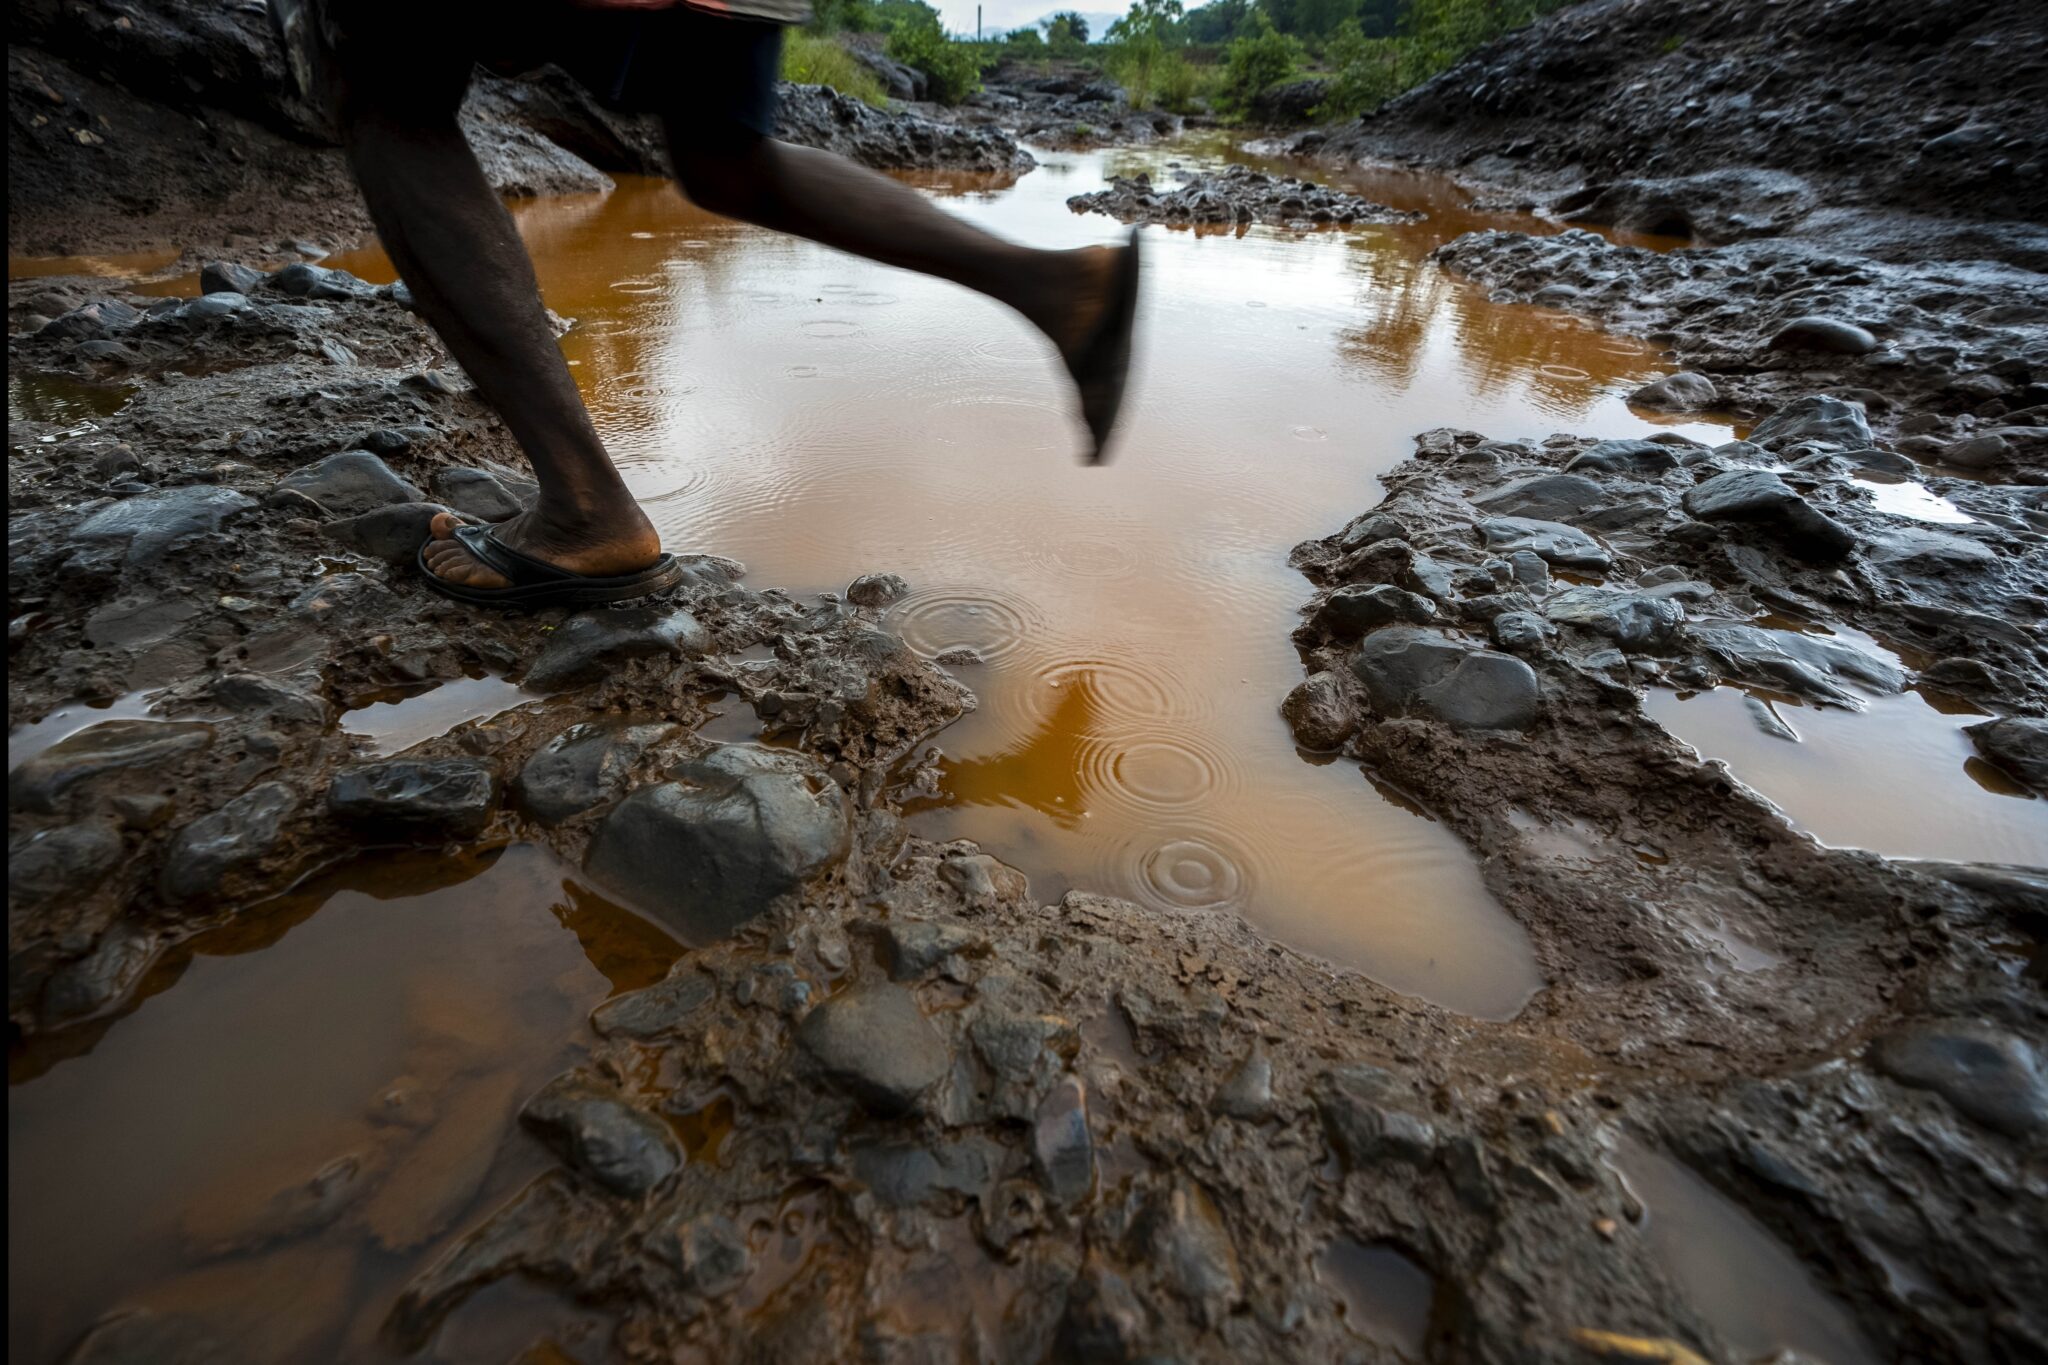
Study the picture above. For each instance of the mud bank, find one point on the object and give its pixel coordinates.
(1864, 124)
(158, 124)
(1484, 639)
(1235, 197)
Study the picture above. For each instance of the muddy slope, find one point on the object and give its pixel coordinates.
(157, 124)
(1897, 107)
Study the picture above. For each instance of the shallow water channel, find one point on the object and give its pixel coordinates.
(818, 417)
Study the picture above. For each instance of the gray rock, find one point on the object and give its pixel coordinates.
(1816, 417)
(350, 483)
(1812, 666)
(65, 863)
(1317, 714)
(873, 1042)
(1987, 1075)
(1761, 497)
(1976, 452)
(254, 694)
(582, 767)
(1522, 632)
(655, 1010)
(1829, 335)
(1187, 1240)
(481, 494)
(712, 1255)
(214, 845)
(1407, 669)
(91, 984)
(1633, 620)
(1872, 459)
(151, 525)
(393, 534)
(589, 644)
(1546, 497)
(2018, 744)
(1681, 392)
(1922, 549)
(593, 1129)
(1247, 1093)
(912, 947)
(1625, 457)
(90, 321)
(301, 280)
(1354, 610)
(1365, 1125)
(1102, 1322)
(443, 794)
(1061, 1145)
(710, 851)
(876, 590)
(208, 307)
(1554, 542)
(1530, 570)
(110, 746)
(226, 277)
(1768, 720)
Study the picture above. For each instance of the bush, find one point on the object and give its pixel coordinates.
(918, 40)
(1257, 58)
(810, 60)
(1434, 34)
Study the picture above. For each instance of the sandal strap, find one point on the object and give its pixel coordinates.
(519, 569)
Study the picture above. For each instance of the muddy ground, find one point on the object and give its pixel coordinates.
(1079, 1130)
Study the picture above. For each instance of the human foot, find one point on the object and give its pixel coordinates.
(620, 543)
(1090, 321)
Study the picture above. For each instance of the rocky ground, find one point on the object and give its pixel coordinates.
(1077, 1130)
(1235, 197)
(1873, 118)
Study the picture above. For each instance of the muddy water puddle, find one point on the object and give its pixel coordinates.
(1897, 777)
(1739, 1278)
(1124, 627)
(393, 721)
(302, 1109)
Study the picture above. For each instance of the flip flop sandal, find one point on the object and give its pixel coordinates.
(536, 583)
(1106, 364)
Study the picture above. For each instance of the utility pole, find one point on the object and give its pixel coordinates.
(977, 23)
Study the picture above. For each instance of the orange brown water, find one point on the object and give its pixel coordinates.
(819, 417)
(387, 1019)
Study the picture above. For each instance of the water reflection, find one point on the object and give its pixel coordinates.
(818, 417)
(305, 1106)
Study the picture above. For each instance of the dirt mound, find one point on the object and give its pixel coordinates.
(1938, 109)
(1236, 196)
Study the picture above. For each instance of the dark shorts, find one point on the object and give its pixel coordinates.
(700, 71)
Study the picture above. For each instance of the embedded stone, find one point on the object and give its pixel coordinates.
(237, 834)
(350, 483)
(588, 645)
(593, 1129)
(708, 852)
(1989, 1076)
(874, 1043)
(582, 767)
(451, 794)
(1828, 335)
(1761, 497)
(1816, 417)
(1553, 542)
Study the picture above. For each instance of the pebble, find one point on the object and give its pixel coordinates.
(709, 852)
(226, 277)
(110, 746)
(1685, 391)
(215, 844)
(594, 1130)
(60, 864)
(1823, 334)
(350, 483)
(1061, 1145)
(1757, 495)
(1405, 668)
(454, 795)
(583, 767)
(876, 590)
(1364, 1127)
(874, 1043)
(588, 645)
(1317, 713)
(1989, 1076)
(1247, 1093)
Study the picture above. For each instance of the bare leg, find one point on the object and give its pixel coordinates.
(469, 274)
(809, 193)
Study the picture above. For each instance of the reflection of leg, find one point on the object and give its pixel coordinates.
(1068, 295)
(459, 253)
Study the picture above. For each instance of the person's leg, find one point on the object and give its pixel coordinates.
(457, 249)
(737, 173)
(713, 81)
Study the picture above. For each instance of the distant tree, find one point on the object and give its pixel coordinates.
(1066, 29)
(1216, 22)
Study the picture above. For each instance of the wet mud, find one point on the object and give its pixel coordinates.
(735, 976)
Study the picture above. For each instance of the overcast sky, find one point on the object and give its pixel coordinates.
(1000, 16)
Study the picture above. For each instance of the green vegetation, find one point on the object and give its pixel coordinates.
(811, 60)
(1217, 57)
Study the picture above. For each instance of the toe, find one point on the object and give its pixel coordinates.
(450, 561)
